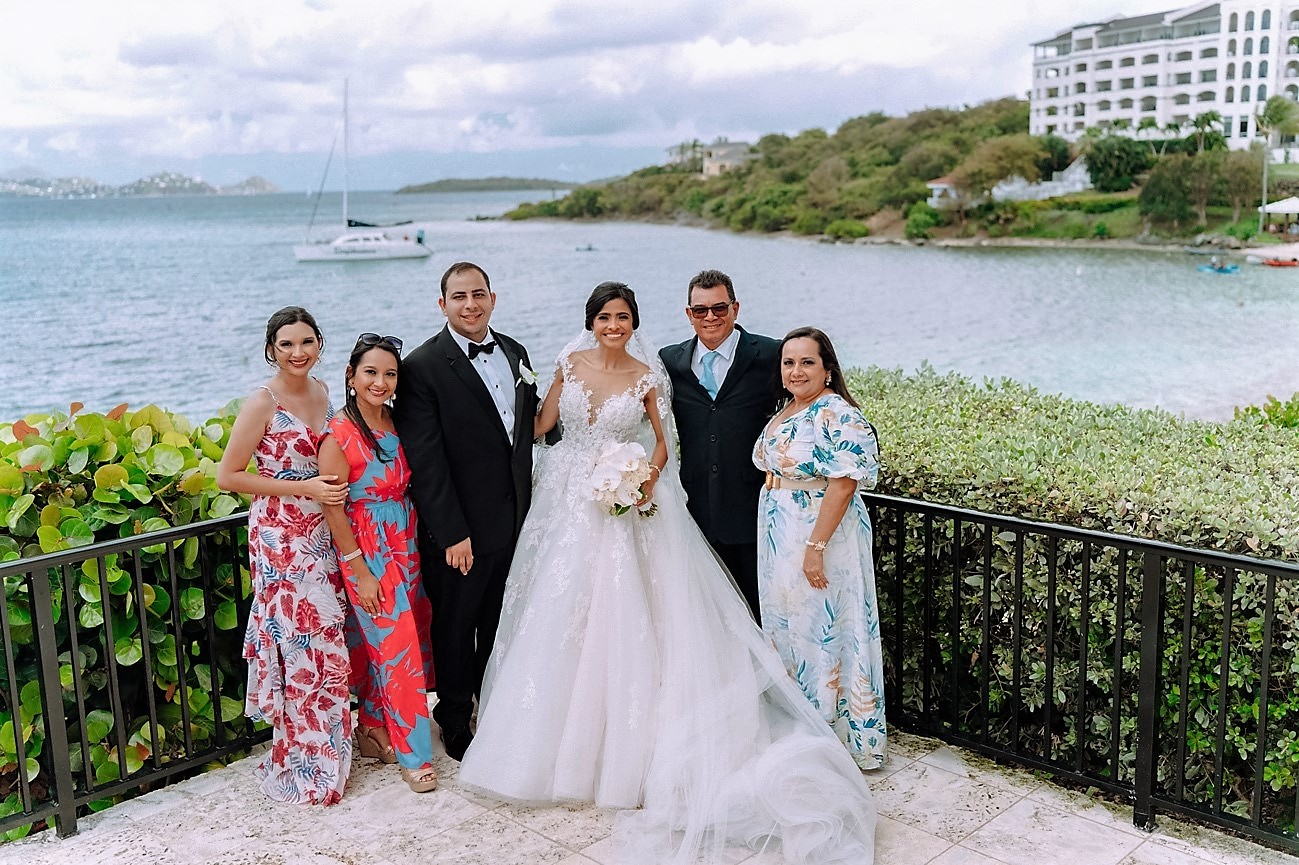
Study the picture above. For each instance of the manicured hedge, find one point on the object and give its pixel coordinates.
(1003, 448)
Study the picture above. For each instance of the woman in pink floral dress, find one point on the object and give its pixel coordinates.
(297, 658)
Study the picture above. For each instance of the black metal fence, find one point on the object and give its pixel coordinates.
(1163, 674)
(121, 668)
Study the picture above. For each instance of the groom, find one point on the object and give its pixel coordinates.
(464, 410)
(725, 386)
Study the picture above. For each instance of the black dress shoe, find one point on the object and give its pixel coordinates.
(456, 740)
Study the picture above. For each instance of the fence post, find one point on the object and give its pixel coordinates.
(1152, 618)
(56, 725)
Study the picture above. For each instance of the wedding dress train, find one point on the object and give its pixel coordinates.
(627, 672)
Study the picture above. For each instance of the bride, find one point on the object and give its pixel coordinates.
(627, 670)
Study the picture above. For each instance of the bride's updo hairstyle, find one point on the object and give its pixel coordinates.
(605, 292)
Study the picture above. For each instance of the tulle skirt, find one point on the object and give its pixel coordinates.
(628, 672)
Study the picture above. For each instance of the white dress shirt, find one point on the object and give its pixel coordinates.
(722, 364)
(494, 369)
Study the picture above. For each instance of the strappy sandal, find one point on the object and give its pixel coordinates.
(369, 746)
(422, 780)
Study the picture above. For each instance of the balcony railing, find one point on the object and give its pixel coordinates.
(1158, 673)
(121, 668)
(1161, 674)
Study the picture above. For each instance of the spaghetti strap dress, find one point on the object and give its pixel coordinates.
(294, 644)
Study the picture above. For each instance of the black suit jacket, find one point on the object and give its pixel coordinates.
(467, 479)
(717, 436)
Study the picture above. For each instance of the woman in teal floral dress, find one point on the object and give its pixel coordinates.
(816, 577)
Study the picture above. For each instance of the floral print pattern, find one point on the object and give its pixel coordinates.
(829, 639)
(391, 652)
(294, 643)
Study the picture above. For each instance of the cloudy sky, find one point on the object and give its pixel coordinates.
(569, 89)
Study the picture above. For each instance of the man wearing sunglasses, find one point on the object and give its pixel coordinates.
(725, 386)
(464, 409)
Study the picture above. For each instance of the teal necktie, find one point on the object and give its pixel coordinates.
(709, 378)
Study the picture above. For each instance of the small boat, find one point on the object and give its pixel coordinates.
(361, 241)
(1280, 262)
(1218, 268)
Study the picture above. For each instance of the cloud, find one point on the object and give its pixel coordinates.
(139, 80)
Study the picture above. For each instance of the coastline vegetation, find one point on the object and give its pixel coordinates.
(69, 480)
(869, 177)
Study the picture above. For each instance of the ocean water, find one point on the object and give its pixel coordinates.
(165, 300)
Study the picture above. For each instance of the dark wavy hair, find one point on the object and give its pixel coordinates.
(350, 408)
(828, 359)
(605, 292)
(285, 316)
(708, 279)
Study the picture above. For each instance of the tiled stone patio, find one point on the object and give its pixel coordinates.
(937, 805)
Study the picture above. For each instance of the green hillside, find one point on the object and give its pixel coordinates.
(869, 176)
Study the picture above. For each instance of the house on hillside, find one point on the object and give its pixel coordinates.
(1075, 178)
(723, 156)
(945, 195)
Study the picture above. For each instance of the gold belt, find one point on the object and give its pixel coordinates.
(777, 482)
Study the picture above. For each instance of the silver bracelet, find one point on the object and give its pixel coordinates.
(818, 545)
(347, 558)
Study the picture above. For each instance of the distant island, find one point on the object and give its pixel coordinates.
(486, 184)
(165, 183)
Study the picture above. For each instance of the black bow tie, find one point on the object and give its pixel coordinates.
(475, 349)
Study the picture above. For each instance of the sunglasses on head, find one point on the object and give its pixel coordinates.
(370, 339)
(701, 311)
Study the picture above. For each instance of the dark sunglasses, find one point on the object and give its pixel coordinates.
(369, 339)
(701, 311)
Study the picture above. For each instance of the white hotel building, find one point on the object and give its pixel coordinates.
(1170, 66)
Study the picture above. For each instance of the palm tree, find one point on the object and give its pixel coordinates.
(1203, 124)
(1172, 129)
(1148, 125)
(1277, 116)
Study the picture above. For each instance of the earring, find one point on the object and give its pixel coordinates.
(828, 377)
(351, 391)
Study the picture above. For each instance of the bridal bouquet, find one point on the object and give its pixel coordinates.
(616, 479)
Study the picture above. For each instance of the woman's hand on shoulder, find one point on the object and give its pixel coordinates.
(326, 489)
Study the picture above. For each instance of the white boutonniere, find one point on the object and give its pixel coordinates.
(526, 376)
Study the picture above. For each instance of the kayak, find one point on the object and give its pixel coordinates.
(1225, 268)
(1281, 262)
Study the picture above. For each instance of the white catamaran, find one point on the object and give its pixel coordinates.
(361, 241)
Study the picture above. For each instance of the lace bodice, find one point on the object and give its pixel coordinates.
(589, 416)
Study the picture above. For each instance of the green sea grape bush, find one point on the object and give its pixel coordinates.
(1003, 448)
(68, 480)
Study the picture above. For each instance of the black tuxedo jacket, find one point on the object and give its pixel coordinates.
(717, 436)
(467, 480)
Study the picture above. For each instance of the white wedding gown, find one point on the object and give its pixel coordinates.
(627, 672)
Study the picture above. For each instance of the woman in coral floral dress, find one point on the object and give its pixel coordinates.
(297, 658)
(375, 533)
